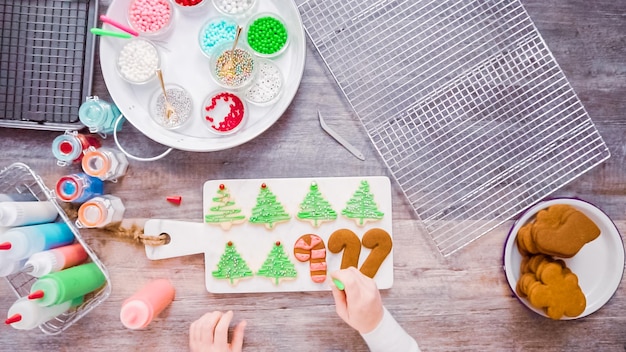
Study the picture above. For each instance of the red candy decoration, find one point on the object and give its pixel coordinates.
(188, 2)
(233, 118)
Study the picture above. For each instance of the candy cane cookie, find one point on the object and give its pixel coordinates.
(311, 248)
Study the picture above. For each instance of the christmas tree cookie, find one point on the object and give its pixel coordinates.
(268, 210)
(361, 207)
(315, 208)
(277, 266)
(231, 266)
(223, 211)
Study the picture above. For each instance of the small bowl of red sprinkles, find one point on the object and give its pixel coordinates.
(190, 6)
(224, 112)
(151, 17)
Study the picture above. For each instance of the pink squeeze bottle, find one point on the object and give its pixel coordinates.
(53, 260)
(141, 308)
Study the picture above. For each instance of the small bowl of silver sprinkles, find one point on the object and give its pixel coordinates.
(181, 101)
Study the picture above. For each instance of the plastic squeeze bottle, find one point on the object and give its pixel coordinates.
(25, 314)
(22, 242)
(67, 284)
(53, 260)
(27, 213)
(141, 308)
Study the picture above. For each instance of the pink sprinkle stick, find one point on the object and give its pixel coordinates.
(118, 25)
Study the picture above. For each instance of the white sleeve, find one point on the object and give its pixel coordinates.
(389, 336)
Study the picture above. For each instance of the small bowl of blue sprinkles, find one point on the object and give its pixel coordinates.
(215, 32)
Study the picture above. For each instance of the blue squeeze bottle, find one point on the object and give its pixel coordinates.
(21, 242)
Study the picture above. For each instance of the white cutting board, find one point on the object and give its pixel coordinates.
(254, 241)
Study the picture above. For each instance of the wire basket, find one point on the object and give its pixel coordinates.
(19, 178)
(464, 102)
(46, 62)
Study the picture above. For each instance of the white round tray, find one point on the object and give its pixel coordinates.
(184, 64)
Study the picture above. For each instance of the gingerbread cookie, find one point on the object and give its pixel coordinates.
(558, 294)
(379, 241)
(347, 241)
(314, 208)
(268, 210)
(311, 248)
(562, 231)
(223, 211)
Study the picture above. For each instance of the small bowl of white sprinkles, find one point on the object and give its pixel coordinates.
(216, 31)
(181, 102)
(232, 68)
(137, 61)
(267, 84)
(235, 7)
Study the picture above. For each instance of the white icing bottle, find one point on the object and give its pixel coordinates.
(27, 213)
(26, 314)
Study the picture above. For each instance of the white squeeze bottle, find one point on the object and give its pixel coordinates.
(27, 213)
(26, 314)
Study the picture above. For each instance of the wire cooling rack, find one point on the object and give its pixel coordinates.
(46, 62)
(464, 102)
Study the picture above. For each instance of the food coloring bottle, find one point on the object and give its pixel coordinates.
(68, 148)
(25, 314)
(53, 260)
(27, 213)
(67, 284)
(104, 163)
(79, 187)
(21, 242)
(100, 212)
(98, 115)
(141, 308)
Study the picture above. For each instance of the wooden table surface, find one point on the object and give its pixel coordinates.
(461, 302)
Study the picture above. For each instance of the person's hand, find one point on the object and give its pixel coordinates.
(359, 304)
(210, 333)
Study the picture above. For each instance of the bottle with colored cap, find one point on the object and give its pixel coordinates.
(100, 211)
(98, 115)
(21, 242)
(27, 213)
(25, 314)
(104, 163)
(141, 308)
(53, 260)
(68, 148)
(79, 187)
(67, 284)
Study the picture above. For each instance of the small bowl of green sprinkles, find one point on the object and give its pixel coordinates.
(267, 35)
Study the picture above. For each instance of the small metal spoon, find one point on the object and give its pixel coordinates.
(169, 109)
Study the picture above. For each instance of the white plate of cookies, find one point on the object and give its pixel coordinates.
(564, 258)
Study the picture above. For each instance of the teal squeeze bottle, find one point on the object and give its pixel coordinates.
(66, 285)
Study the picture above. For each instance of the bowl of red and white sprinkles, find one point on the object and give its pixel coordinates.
(151, 17)
(224, 112)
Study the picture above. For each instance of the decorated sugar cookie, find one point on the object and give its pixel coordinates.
(268, 210)
(231, 266)
(315, 208)
(223, 211)
(310, 248)
(277, 266)
(361, 207)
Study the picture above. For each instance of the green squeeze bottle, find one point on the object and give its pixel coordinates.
(65, 285)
